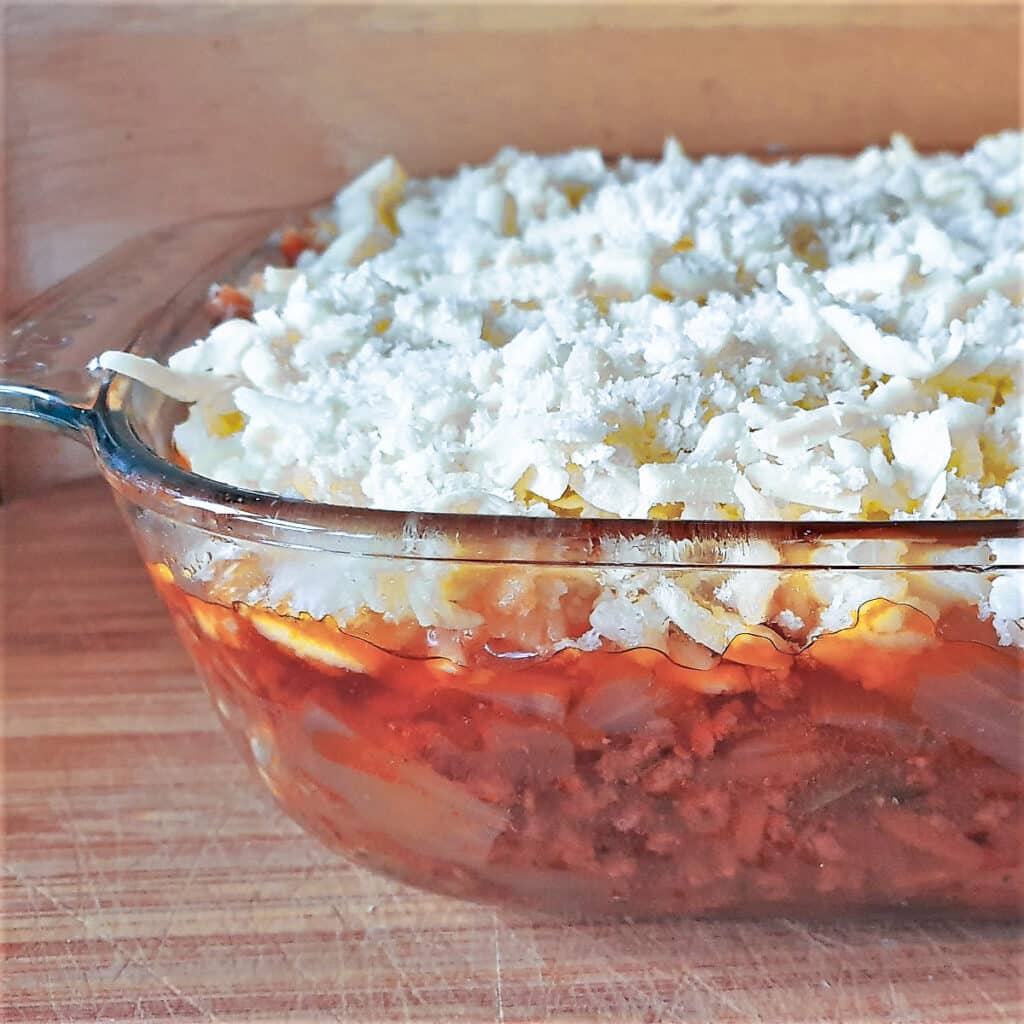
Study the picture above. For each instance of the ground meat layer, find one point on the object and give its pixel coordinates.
(596, 783)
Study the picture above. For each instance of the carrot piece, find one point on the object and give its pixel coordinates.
(226, 302)
(293, 244)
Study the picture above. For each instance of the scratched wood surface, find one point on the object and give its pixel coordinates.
(147, 877)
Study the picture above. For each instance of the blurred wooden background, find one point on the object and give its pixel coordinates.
(122, 118)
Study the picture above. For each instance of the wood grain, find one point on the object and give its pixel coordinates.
(147, 877)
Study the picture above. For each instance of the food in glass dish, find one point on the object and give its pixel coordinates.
(699, 586)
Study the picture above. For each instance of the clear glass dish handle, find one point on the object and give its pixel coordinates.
(48, 343)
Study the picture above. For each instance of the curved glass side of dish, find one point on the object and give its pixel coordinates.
(420, 691)
(815, 718)
(146, 291)
(877, 767)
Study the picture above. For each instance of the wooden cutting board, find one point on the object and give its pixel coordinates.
(147, 877)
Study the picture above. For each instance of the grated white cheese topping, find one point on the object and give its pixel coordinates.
(715, 338)
(824, 338)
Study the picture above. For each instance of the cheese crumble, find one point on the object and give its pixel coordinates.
(685, 338)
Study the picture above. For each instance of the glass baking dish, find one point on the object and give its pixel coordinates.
(411, 687)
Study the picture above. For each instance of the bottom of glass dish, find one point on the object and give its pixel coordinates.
(847, 777)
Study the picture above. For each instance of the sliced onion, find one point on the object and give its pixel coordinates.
(847, 706)
(937, 837)
(978, 699)
(777, 754)
(825, 788)
(412, 805)
(775, 740)
(621, 707)
(542, 704)
(529, 753)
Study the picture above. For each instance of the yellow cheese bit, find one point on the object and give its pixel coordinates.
(388, 197)
(807, 246)
(641, 439)
(227, 423)
(509, 217)
(666, 510)
(575, 192)
(570, 504)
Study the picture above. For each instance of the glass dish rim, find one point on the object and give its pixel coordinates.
(144, 477)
